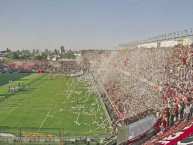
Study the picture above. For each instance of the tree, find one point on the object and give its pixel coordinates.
(44, 56)
(15, 55)
(69, 55)
(38, 57)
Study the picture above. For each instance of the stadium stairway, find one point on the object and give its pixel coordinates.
(178, 126)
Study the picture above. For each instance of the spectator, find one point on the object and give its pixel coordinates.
(191, 109)
(171, 119)
(156, 126)
(157, 114)
(163, 125)
(187, 112)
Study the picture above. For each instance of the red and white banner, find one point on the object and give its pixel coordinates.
(172, 139)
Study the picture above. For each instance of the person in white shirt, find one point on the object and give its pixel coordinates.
(187, 112)
(158, 114)
(191, 109)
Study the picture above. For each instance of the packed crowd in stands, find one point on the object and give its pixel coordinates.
(123, 87)
(176, 110)
(31, 65)
(178, 89)
(168, 75)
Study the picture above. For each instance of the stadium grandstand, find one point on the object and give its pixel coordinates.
(146, 88)
(184, 37)
(148, 79)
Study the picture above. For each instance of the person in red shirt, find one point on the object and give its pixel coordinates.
(156, 126)
(163, 125)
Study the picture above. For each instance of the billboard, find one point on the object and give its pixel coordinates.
(185, 42)
(170, 43)
(148, 45)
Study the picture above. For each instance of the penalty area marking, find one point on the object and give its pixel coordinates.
(44, 119)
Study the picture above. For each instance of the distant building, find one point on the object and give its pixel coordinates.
(62, 50)
(56, 51)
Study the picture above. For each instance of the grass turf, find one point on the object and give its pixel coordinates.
(51, 102)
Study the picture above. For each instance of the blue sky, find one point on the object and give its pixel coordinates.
(88, 24)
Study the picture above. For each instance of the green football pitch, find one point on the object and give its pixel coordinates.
(51, 101)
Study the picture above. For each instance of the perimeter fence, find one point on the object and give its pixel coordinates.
(48, 136)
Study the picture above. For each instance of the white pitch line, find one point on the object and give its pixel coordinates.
(7, 106)
(44, 119)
